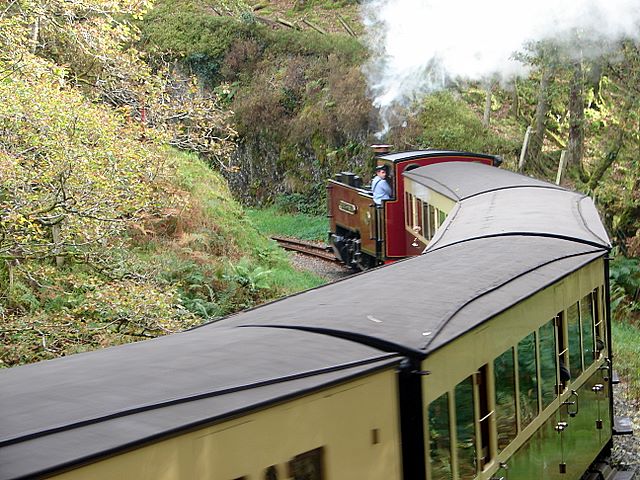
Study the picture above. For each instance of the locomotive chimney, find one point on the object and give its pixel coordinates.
(381, 149)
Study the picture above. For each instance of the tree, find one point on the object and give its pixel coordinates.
(575, 145)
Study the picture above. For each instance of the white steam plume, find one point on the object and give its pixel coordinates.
(418, 44)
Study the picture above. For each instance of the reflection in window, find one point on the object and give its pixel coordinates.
(586, 320)
(548, 380)
(599, 324)
(439, 439)
(433, 221)
(465, 429)
(486, 453)
(528, 379)
(441, 217)
(307, 466)
(575, 348)
(504, 373)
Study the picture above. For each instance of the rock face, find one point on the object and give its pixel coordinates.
(260, 170)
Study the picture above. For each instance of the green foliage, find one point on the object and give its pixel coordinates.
(298, 97)
(626, 341)
(449, 123)
(312, 203)
(184, 28)
(624, 274)
(50, 312)
(253, 278)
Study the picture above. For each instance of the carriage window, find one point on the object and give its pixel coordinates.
(586, 320)
(439, 439)
(427, 221)
(465, 428)
(548, 377)
(408, 209)
(417, 216)
(308, 465)
(575, 346)
(504, 375)
(528, 379)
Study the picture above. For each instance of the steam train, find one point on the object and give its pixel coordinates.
(489, 356)
(363, 235)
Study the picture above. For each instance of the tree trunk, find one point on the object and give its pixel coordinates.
(537, 138)
(35, 34)
(594, 78)
(604, 165)
(515, 107)
(486, 118)
(575, 145)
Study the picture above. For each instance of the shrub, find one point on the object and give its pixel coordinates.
(449, 123)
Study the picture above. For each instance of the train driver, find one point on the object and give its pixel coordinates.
(380, 186)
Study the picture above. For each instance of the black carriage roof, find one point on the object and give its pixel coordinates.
(487, 257)
(493, 202)
(434, 153)
(70, 410)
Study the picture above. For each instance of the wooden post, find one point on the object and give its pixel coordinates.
(346, 26)
(525, 145)
(286, 23)
(314, 26)
(561, 165)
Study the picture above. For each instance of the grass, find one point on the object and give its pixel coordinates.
(271, 221)
(626, 345)
(245, 232)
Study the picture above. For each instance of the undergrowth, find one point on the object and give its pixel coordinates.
(196, 261)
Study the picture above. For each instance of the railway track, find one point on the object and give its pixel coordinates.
(307, 248)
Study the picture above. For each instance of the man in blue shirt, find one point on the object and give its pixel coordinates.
(379, 186)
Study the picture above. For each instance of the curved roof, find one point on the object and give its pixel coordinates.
(460, 180)
(493, 202)
(402, 307)
(71, 410)
(412, 155)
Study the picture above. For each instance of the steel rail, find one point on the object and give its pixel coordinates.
(306, 248)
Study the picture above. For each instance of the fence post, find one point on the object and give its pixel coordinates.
(561, 165)
(525, 146)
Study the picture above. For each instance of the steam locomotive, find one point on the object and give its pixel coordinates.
(363, 235)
